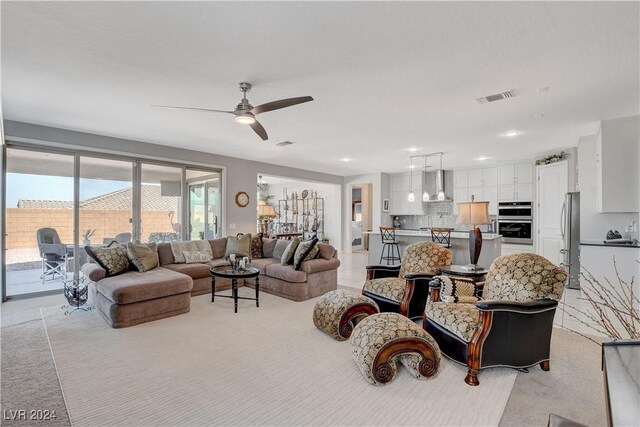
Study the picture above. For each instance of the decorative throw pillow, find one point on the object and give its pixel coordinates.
(239, 245)
(305, 251)
(268, 245)
(113, 258)
(326, 251)
(144, 257)
(279, 248)
(205, 247)
(457, 289)
(196, 256)
(256, 247)
(178, 247)
(287, 256)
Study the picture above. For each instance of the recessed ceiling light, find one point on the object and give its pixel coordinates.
(346, 159)
(412, 166)
(482, 158)
(511, 133)
(413, 149)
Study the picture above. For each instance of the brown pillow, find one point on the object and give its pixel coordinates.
(256, 247)
(326, 251)
(280, 247)
(239, 245)
(268, 245)
(144, 257)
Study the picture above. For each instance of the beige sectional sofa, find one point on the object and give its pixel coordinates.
(132, 297)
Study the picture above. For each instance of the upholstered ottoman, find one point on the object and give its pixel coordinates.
(380, 341)
(337, 312)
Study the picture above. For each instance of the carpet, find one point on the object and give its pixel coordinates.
(261, 366)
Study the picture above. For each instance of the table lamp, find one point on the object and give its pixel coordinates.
(474, 214)
(266, 211)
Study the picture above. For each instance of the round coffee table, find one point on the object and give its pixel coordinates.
(229, 273)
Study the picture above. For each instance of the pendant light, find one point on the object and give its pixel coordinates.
(411, 197)
(440, 189)
(425, 195)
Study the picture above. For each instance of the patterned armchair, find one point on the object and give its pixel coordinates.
(510, 326)
(404, 288)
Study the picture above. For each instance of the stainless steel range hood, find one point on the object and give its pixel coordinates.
(439, 179)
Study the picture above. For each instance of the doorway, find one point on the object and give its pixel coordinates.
(361, 216)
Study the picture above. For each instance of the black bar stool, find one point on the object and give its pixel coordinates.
(390, 245)
(442, 236)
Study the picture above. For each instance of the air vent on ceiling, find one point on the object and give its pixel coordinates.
(284, 143)
(496, 97)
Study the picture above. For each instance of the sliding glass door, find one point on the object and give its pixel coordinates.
(58, 202)
(106, 202)
(39, 221)
(204, 204)
(161, 216)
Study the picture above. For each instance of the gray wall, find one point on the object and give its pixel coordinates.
(238, 174)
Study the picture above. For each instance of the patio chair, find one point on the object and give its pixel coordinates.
(122, 238)
(55, 255)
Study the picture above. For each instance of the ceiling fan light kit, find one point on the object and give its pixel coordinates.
(245, 113)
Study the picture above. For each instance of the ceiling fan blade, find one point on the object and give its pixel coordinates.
(208, 110)
(282, 103)
(257, 127)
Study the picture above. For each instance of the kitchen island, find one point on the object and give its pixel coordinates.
(491, 245)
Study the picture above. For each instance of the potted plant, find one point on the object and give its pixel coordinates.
(324, 238)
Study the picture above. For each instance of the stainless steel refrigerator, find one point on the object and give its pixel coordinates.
(570, 228)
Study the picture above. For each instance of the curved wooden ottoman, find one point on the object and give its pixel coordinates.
(380, 341)
(337, 312)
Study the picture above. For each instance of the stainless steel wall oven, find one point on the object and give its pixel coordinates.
(515, 222)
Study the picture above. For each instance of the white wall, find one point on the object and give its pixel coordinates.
(238, 174)
(594, 225)
(331, 193)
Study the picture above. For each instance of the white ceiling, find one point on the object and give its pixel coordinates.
(385, 76)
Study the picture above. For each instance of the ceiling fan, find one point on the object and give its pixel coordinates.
(246, 113)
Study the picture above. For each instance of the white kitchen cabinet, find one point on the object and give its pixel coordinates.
(480, 182)
(400, 184)
(461, 178)
(617, 169)
(515, 182)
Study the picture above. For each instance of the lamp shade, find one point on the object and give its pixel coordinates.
(473, 213)
(266, 210)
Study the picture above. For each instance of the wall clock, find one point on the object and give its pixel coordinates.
(242, 199)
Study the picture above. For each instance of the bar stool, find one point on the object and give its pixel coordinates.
(442, 236)
(390, 245)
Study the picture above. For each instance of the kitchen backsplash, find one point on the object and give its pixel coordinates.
(438, 215)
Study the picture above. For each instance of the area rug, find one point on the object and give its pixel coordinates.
(261, 366)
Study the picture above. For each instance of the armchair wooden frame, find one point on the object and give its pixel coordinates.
(524, 341)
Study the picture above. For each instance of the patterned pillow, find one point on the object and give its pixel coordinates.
(143, 257)
(179, 247)
(113, 258)
(305, 251)
(457, 289)
(256, 247)
(196, 256)
(287, 256)
(239, 245)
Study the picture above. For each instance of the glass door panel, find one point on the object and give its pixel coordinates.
(39, 221)
(204, 204)
(161, 203)
(106, 202)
